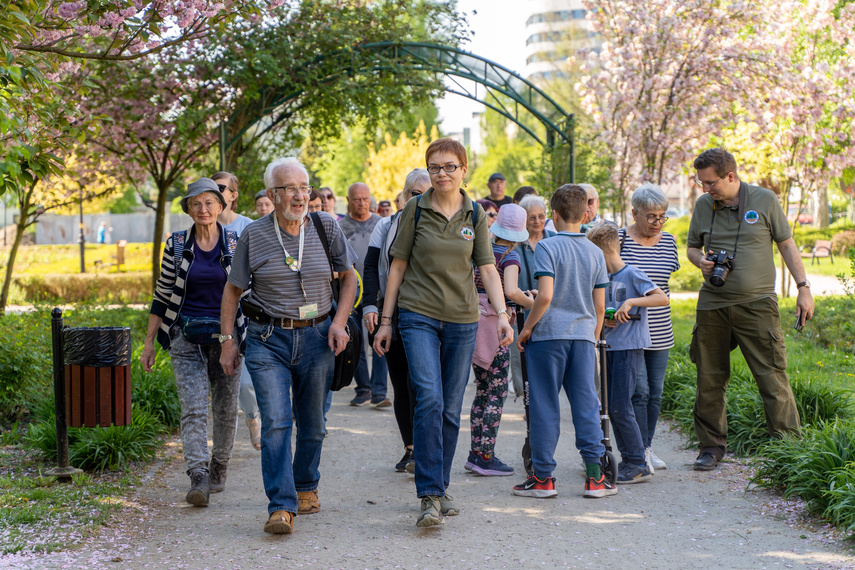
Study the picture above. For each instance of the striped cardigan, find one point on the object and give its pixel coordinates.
(169, 290)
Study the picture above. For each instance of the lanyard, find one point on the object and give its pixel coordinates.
(293, 265)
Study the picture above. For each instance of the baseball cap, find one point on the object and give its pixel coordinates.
(496, 176)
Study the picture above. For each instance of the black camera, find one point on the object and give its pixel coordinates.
(723, 265)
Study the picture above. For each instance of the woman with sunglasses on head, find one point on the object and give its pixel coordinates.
(231, 220)
(377, 263)
(441, 235)
(644, 245)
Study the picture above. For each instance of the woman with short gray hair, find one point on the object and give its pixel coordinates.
(644, 245)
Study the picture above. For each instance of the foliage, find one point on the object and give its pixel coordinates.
(819, 467)
(45, 259)
(511, 152)
(387, 168)
(833, 326)
(842, 242)
(86, 288)
(155, 391)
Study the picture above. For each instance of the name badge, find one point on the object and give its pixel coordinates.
(309, 311)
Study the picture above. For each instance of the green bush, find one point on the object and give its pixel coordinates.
(155, 391)
(86, 287)
(833, 325)
(25, 364)
(101, 448)
(819, 467)
(687, 278)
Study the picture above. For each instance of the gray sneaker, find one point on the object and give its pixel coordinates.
(199, 492)
(430, 512)
(218, 476)
(447, 506)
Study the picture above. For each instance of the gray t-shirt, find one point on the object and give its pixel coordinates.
(275, 287)
(239, 224)
(578, 267)
(359, 235)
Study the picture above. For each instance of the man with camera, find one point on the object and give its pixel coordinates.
(730, 239)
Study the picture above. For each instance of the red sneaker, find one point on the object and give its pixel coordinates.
(597, 488)
(534, 487)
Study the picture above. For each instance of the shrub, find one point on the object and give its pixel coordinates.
(86, 287)
(842, 241)
(155, 391)
(687, 278)
(25, 364)
(101, 447)
(832, 325)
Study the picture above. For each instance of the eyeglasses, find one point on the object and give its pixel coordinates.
(653, 219)
(294, 190)
(223, 188)
(707, 185)
(446, 167)
(492, 215)
(207, 204)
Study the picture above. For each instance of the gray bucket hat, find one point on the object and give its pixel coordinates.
(200, 186)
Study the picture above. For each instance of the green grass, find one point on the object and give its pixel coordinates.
(49, 259)
(39, 514)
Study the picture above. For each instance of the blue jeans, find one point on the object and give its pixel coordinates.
(551, 365)
(379, 375)
(647, 399)
(439, 355)
(623, 368)
(297, 362)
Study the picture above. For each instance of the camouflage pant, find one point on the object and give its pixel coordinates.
(195, 367)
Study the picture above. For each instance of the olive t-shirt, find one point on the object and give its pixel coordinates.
(439, 281)
(753, 274)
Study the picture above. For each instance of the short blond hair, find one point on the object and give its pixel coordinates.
(606, 237)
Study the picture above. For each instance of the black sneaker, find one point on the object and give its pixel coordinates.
(629, 473)
(200, 491)
(706, 462)
(360, 400)
(401, 466)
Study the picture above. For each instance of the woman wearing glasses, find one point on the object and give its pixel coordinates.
(185, 320)
(231, 220)
(646, 246)
(441, 235)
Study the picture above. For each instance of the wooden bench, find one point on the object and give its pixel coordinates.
(822, 248)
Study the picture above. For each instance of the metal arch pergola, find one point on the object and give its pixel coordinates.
(499, 82)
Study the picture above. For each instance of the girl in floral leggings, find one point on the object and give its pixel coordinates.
(490, 362)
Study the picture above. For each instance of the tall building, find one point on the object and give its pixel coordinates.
(555, 29)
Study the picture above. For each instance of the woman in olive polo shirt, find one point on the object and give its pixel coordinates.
(431, 281)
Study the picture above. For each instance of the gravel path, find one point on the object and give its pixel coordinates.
(680, 519)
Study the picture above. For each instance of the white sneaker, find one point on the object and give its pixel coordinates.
(653, 460)
(647, 461)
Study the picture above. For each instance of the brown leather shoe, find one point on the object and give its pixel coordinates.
(308, 502)
(280, 522)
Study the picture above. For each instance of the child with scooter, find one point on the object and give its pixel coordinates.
(629, 288)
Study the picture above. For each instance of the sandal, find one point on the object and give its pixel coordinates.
(254, 426)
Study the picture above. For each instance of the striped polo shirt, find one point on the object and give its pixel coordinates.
(658, 262)
(275, 287)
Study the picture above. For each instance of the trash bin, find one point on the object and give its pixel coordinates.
(97, 373)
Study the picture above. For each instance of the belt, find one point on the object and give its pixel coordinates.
(288, 323)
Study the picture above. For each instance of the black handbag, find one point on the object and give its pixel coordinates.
(200, 330)
(347, 359)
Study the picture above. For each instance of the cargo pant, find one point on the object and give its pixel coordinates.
(756, 328)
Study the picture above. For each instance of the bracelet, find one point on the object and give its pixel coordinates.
(385, 325)
(390, 318)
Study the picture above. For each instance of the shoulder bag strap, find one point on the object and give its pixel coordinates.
(322, 233)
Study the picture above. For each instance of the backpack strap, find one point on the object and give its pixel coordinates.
(476, 208)
(322, 233)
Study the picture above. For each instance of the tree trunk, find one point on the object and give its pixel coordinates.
(821, 216)
(20, 227)
(157, 239)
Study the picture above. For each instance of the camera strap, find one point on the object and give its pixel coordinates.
(739, 208)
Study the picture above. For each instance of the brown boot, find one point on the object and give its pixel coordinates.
(280, 522)
(308, 502)
(218, 476)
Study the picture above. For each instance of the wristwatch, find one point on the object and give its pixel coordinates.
(224, 337)
(503, 312)
(804, 283)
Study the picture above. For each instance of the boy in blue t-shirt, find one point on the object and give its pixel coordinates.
(560, 344)
(629, 287)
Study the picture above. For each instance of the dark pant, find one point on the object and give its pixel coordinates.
(404, 400)
(754, 327)
(361, 376)
(622, 367)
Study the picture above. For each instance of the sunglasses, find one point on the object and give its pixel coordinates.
(223, 187)
(492, 215)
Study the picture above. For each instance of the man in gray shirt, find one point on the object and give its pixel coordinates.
(291, 342)
(358, 226)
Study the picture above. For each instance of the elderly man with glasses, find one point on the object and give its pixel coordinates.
(730, 239)
(291, 339)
